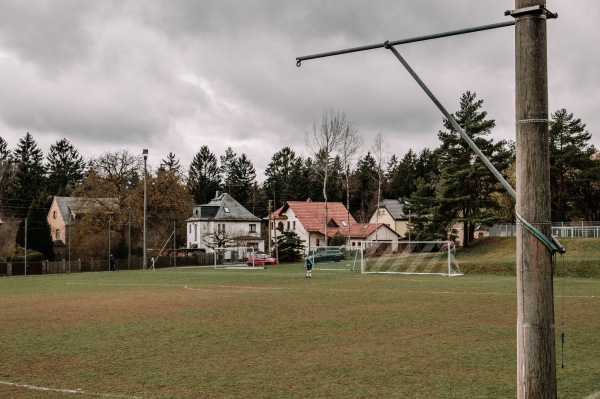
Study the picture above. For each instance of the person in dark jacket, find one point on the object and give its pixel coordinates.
(309, 266)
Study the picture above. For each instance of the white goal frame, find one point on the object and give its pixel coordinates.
(437, 259)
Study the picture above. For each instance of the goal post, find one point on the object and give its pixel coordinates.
(334, 258)
(233, 257)
(410, 257)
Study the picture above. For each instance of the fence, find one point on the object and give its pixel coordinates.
(97, 265)
(561, 229)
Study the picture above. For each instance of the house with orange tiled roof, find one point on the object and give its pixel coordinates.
(308, 219)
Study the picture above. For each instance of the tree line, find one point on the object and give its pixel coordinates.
(440, 187)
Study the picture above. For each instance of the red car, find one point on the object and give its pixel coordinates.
(260, 260)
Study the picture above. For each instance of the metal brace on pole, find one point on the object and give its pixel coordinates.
(552, 244)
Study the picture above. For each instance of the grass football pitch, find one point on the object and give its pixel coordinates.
(206, 333)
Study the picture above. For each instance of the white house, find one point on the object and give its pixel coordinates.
(391, 213)
(223, 222)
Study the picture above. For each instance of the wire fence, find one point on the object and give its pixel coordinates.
(99, 265)
(561, 229)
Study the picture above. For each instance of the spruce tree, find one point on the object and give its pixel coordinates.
(65, 168)
(242, 179)
(289, 246)
(466, 185)
(204, 178)
(30, 176)
(573, 172)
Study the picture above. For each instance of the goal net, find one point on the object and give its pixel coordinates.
(410, 257)
(334, 258)
(233, 257)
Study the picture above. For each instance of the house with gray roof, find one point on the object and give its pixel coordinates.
(391, 213)
(223, 222)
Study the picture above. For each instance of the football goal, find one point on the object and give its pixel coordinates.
(334, 258)
(410, 257)
(234, 257)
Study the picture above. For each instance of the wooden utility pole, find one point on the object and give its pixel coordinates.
(536, 354)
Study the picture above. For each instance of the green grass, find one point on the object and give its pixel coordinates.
(497, 255)
(206, 333)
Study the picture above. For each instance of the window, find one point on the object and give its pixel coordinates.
(195, 232)
(54, 214)
(226, 209)
(252, 228)
(288, 225)
(294, 225)
(57, 234)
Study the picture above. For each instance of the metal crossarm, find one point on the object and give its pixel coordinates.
(404, 41)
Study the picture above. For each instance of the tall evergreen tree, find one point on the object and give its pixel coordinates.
(171, 164)
(278, 175)
(65, 168)
(466, 184)
(571, 166)
(30, 180)
(365, 183)
(300, 186)
(7, 176)
(421, 207)
(228, 169)
(204, 177)
(401, 176)
(243, 179)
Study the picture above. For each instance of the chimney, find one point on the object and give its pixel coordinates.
(217, 194)
(308, 200)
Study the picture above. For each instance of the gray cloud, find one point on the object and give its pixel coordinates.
(173, 76)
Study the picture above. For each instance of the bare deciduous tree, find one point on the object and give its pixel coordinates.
(324, 142)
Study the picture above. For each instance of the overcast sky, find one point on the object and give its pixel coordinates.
(173, 75)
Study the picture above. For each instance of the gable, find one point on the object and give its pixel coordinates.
(312, 215)
(223, 208)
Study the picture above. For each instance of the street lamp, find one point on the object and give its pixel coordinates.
(145, 154)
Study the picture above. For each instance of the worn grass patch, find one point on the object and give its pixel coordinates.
(204, 333)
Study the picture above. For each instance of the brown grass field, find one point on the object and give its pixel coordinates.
(206, 333)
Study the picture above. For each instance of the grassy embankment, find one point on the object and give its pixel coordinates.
(497, 255)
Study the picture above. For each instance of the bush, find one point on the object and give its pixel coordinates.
(31, 257)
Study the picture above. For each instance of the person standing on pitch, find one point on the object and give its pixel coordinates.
(111, 263)
(309, 266)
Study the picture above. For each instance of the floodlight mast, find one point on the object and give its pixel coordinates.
(536, 374)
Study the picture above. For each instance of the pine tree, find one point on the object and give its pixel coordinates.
(65, 168)
(466, 185)
(171, 164)
(228, 166)
(204, 178)
(278, 175)
(242, 179)
(7, 175)
(30, 180)
(572, 169)
(289, 246)
(365, 181)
